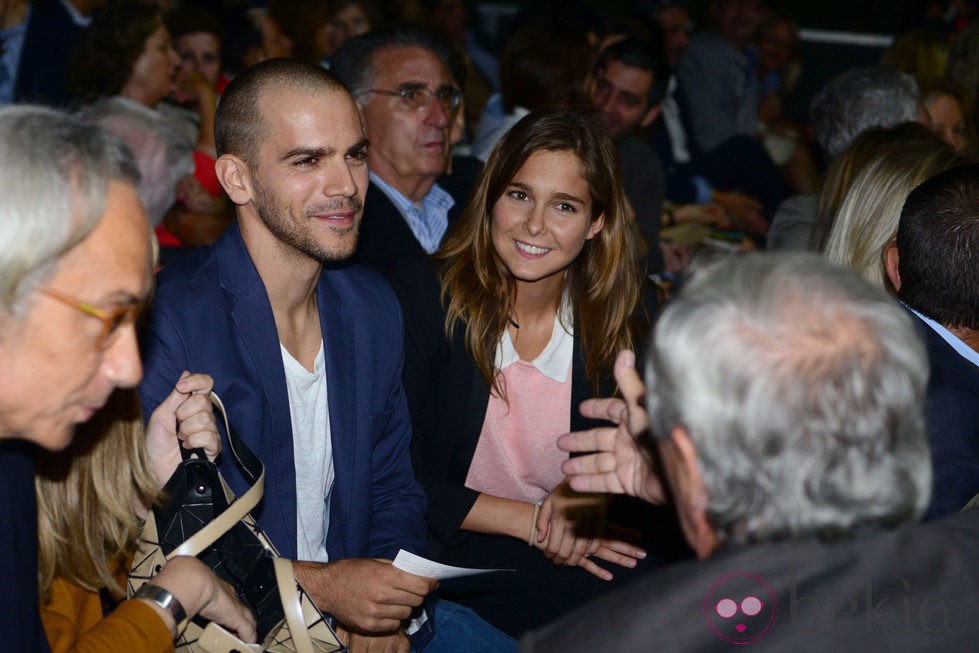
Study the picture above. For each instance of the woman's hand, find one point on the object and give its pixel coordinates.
(571, 527)
(190, 85)
(192, 194)
(185, 418)
(199, 591)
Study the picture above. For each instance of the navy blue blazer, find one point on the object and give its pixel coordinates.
(385, 238)
(212, 314)
(952, 419)
(19, 619)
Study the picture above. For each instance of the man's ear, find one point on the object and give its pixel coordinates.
(235, 178)
(650, 116)
(891, 267)
(693, 502)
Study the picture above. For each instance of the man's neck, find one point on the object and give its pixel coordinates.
(415, 187)
(12, 13)
(86, 7)
(292, 293)
(289, 276)
(969, 336)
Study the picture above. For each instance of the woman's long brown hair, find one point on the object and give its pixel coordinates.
(602, 284)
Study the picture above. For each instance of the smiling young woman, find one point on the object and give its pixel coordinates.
(538, 289)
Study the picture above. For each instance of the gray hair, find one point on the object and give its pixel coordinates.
(55, 171)
(858, 100)
(353, 62)
(163, 154)
(801, 387)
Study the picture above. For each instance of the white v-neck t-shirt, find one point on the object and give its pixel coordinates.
(312, 453)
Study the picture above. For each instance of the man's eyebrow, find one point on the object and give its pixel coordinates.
(314, 152)
(120, 297)
(359, 146)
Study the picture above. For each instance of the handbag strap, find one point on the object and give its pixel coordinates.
(292, 606)
(241, 506)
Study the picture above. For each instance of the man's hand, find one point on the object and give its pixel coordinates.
(368, 595)
(185, 418)
(744, 210)
(711, 215)
(615, 462)
(675, 257)
(396, 642)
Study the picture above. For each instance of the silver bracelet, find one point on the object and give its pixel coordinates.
(167, 601)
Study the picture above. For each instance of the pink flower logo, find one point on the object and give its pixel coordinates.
(740, 608)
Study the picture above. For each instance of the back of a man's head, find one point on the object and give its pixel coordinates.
(938, 248)
(860, 99)
(801, 387)
(239, 126)
(542, 67)
(55, 171)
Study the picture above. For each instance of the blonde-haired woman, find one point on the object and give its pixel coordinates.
(868, 217)
(538, 290)
(91, 498)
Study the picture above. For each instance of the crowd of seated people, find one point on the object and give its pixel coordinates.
(412, 260)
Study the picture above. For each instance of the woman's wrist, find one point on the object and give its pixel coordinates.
(166, 606)
(532, 540)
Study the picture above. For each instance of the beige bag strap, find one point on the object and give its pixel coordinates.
(292, 606)
(238, 509)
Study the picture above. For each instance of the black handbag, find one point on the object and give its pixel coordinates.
(203, 518)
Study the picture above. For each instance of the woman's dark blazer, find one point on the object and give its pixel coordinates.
(447, 399)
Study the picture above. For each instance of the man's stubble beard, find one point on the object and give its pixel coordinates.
(298, 234)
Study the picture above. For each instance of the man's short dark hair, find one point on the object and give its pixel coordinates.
(353, 62)
(645, 56)
(542, 66)
(938, 247)
(239, 127)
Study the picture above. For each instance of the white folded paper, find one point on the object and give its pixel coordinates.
(419, 566)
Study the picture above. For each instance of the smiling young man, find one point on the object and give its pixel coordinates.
(305, 352)
(401, 80)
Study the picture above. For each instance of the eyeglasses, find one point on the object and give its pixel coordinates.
(112, 320)
(416, 96)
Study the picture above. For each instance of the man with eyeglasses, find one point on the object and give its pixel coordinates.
(400, 78)
(74, 274)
